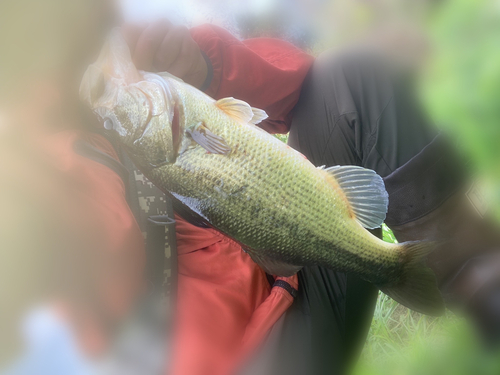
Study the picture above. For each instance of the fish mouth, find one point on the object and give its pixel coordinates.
(113, 83)
(93, 85)
(113, 68)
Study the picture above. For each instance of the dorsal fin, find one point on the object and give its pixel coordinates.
(241, 111)
(238, 109)
(365, 191)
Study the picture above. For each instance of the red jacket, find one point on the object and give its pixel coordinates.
(266, 73)
(225, 302)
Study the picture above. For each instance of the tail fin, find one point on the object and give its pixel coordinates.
(417, 288)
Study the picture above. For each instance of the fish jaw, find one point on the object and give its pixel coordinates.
(108, 88)
(139, 107)
(112, 69)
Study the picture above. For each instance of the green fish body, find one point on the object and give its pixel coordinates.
(213, 160)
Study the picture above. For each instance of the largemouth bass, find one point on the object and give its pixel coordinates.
(221, 169)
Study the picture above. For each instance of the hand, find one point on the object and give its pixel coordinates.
(163, 47)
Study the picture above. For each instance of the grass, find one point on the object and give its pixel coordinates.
(282, 137)
(403, 342)
(396, 332)
(400, 339)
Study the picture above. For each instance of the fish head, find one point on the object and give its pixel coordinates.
(139, 108)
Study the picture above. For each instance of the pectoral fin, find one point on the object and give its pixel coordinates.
(241, 111)
(209, 141)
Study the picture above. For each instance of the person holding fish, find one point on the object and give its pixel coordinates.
(276, 270)
(331, 125)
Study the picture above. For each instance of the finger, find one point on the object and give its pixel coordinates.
(186, 59)
(170, 48)
(149, 42)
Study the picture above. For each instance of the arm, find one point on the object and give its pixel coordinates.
(266, 73)
(431, 200)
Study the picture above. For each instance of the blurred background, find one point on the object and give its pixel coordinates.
(453, 49)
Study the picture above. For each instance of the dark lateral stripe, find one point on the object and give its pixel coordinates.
(283, 284)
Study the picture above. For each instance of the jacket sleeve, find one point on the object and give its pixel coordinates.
(266, 73)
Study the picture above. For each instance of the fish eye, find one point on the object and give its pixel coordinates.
(110, 124)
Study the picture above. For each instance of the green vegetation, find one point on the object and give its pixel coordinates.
(463, 85)
(282, 137)
(387, 234)
(462, 94)
(403, 342)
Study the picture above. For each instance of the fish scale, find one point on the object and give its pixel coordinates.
(212, 158)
